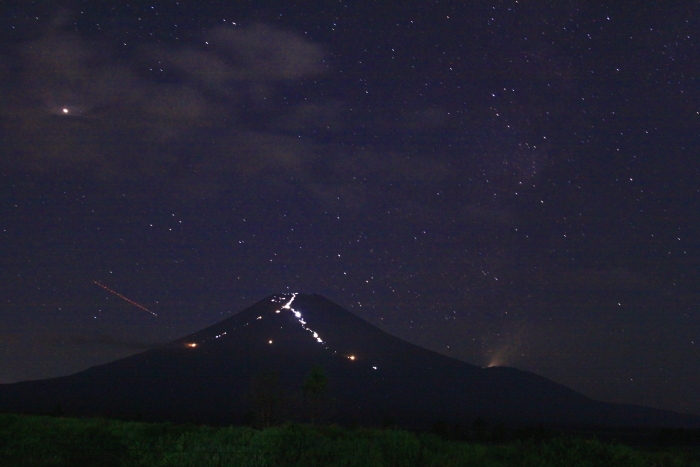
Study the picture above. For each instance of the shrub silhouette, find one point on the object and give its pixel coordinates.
(315, 393)
(267, 399)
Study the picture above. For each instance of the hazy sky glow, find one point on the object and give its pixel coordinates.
(504, 183)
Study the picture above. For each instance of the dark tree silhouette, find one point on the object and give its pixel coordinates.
(315, 392)
(267, 399)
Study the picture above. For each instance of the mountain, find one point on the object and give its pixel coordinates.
(372, 375)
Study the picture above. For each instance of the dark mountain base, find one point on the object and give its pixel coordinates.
(255, 364)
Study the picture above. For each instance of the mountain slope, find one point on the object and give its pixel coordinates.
(205, 376)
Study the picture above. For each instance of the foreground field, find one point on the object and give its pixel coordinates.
(48, 441)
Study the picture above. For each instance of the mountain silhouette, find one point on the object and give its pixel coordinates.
(372, 375)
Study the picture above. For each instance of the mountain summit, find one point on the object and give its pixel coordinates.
(372, 375)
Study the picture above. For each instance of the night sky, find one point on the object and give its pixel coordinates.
(505, 182)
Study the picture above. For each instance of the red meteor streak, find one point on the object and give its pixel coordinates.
(124, 298)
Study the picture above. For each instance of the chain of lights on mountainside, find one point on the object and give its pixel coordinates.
(297, 314)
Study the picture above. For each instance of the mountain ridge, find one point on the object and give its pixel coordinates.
(205, 376)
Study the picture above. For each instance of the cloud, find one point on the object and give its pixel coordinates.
(263, 53)
(325, 117)
(194, 120)
(64, 71)
(75, 106)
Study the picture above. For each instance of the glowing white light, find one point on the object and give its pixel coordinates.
(351, 357)
(288, 305)
(297, 314)
(374, 367)
(270, 341)
(259, 317)
(191, 344)
(65, 111)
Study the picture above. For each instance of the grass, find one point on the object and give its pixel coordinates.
(48, 441)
